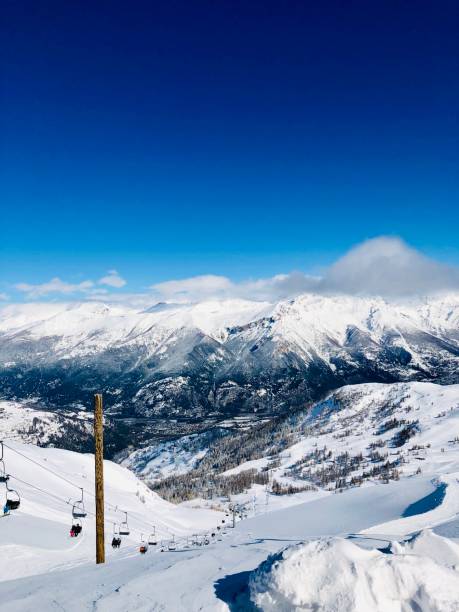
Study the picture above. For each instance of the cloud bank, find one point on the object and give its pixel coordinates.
(384, 266)
(387, 266)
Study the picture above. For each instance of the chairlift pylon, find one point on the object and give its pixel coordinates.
(78, 510)
(124, 527)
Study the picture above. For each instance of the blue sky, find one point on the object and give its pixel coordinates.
(232, 138)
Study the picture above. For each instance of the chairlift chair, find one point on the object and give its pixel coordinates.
(124, 527)
(78, 510)
(4, 477)
(13, 499)
(76, 528)
(152, 538)
(143, 545)
(172, 545)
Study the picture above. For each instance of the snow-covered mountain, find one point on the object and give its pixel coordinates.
(217, 359)
(357, 435)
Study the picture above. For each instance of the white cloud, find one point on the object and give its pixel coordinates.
(112, 279)
(384, 266)
(55, 285)
(387, 266)
(4, 297)
(210, 286)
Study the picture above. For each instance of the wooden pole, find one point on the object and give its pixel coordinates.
(99, 465)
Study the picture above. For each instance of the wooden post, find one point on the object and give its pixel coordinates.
(99, 465)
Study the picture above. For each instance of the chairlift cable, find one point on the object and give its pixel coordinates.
(115, 508)
(42, 466)
(56, 497)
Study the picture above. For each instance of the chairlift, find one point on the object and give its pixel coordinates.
(172, 545)
(143, 545)
(152, 538)
(13, 499)
(4, 477)
(116, 540)
(78, 510)
(76, 528)
(124, 527)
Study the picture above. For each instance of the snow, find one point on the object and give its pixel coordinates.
(355, 409)
(42, 568)
(338, 576)
(87, 327)
(158, 461)
(360, 549)
(314, 325)
(35, 538)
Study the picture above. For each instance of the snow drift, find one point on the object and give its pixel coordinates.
(337, 576)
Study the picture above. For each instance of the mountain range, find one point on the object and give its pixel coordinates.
(198, 364)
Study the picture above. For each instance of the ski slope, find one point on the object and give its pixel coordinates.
(292, 551)
(35, 538)
(42, 568)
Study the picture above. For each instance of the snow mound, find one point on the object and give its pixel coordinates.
(337, 576)
(427, 543)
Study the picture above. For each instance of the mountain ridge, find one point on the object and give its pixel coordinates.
(203, 362)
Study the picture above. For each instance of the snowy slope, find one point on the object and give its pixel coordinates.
(358, 427)
(220, 576)
(35, 538)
